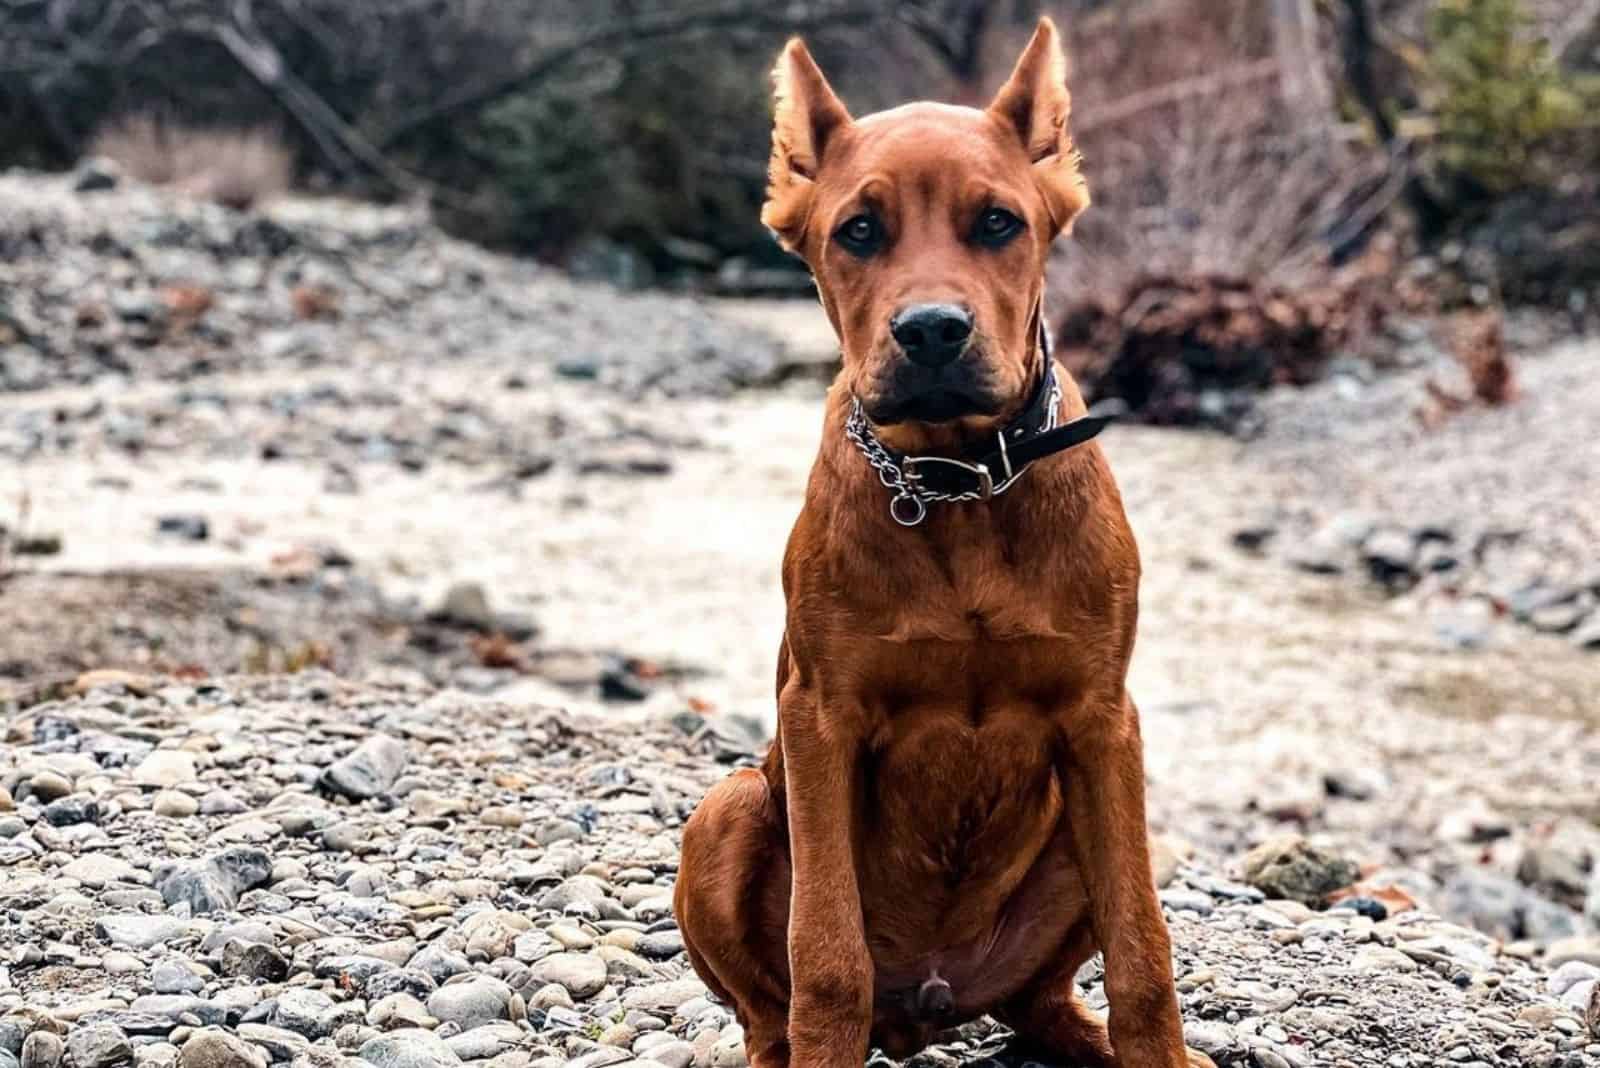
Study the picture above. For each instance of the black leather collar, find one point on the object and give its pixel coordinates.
(989, 469)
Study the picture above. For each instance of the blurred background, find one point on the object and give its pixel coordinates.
(438, 340)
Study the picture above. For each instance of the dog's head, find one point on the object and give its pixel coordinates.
(927, 229)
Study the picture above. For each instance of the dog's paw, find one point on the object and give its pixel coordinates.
(1199, 1060)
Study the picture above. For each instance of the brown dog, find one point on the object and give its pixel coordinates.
(951, 820)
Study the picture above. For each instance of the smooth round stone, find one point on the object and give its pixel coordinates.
(549, 996)
(650, 1040)
(42, 1050)
(503, 816)
(400, 1010)
(623, 938)
(48, 786)
(98, 1046)
(174, 804)
(674, 1053)
(570, 937)
(557, 830)
(176, 976)
(471, 1002)
(729, 1049)
(408, 1048)
(303, 1011)
(581, 974)
(212, 1048)
(119, 963)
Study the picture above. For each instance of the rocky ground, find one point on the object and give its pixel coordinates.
(303, 870)
(1484, 515)
(497, 556)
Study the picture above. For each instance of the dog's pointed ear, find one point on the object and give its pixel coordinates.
(807, 115)
(1035, 103)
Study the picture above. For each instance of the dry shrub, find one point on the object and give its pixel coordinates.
(142, 145)
(239, 168)
(1477, 340)
(1480, 345)
(1206, 261)
(1188, 349)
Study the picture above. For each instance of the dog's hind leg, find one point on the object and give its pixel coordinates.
(1050, 1018)
(732, 903)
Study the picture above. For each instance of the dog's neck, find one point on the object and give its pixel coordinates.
(996, 464)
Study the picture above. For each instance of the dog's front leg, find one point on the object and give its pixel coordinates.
(1105, 789)
(830, 1006)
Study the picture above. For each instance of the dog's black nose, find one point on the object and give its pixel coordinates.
(932, 335)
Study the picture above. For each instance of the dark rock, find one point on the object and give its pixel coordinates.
(96, 174)
(579, 367)
(409, 980)
(189, 527)
(662, 945)
(76, 808)
(618, 682)
(36, 544)
(1371, 908)
(1434, 557)
(1390, 557)
(1253, 539)
(254, 960)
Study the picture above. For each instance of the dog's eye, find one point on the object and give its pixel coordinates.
(997, 226)
(860, 234)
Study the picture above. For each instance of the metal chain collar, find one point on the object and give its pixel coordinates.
(909, 506)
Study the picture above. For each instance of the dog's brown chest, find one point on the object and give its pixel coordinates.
(964, 796)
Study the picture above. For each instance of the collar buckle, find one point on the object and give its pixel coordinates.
(985, 489)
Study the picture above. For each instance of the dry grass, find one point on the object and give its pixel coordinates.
(1196, 164)
(241, 168)
(142, 145)
(1207, 266)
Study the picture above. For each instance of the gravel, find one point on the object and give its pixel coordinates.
(454, 940)
(138, 282)
(1490, 514)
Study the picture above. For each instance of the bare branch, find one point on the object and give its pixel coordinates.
(634, 32)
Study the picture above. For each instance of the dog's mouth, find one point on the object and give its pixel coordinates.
(907, 393)
(930, 406)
